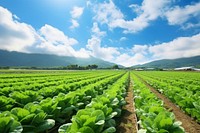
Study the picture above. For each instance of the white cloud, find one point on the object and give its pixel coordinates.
(75, 24)
(180, 15)
(61, 50)
(83, 53)
(88, 3)
(190, 25)
(50, 48)
(56, 36)
(130, 60)
(76, 12)
(108, 13)
(95, 48)
(143, 49)
(150, 10)
(14, 35)
(96, 31)
(123, 39)
(136, 8)
(56, 42)
(180, 47)
(153, 9)
(105, 53)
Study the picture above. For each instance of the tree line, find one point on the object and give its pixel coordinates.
(69, 67)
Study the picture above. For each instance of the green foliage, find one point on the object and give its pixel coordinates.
(87, 120)
(115, 67)
(9, 125)
(23, 98)
(6, 103)
(98, 115)
(180, 87)
(154, 118)
(33, 120)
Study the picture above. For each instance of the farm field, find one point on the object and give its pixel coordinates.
(182, 88)
(95, 101)
(155, 93)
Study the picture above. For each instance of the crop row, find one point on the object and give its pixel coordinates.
(99, 114)
(186, 96)
(191, 78)
(45, 81)
(30, 74)
(152, 115)
(21, 96)
(40, 116)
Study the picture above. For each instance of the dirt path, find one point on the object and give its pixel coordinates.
(188, 123)
(128, 121)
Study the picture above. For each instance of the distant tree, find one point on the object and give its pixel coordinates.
(72, 67)
(82, 67)
(33, 67)
(77, 67)
(94, 66)
(5, 67)
(115, 67)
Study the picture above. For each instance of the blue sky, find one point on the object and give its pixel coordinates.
(127, 32)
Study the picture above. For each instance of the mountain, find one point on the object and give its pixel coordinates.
(172, 63)
(18, 59)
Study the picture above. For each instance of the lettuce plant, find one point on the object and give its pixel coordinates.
(9, 124)
(86, 121)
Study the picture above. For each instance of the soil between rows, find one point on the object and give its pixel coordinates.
(188, 123)
(128, 120)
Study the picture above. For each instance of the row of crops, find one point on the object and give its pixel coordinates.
(182, 88)
(98, 115)
(92, 101)
(46, 102)
(151, 113)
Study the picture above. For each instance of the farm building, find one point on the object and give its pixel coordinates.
(186, 69)
(139, 69)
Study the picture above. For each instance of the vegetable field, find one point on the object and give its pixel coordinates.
(93, 101)
(181, 88)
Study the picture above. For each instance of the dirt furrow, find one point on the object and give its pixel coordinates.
(128, 120)
(188, 123)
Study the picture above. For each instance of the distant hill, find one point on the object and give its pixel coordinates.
(18, 59)
(172, 63)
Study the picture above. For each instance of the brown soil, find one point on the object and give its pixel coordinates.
(128, 120)
(188, 123)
